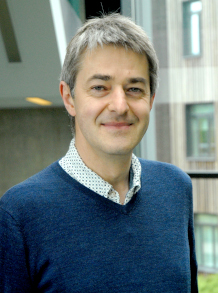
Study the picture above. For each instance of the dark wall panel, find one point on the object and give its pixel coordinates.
(30, 140)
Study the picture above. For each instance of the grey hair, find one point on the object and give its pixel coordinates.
(113, 29)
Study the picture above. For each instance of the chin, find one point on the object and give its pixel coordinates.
(118, 146)
(120, 151)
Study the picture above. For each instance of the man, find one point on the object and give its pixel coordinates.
(100, 219)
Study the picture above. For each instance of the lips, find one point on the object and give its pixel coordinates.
(117, 124)
(123, 126)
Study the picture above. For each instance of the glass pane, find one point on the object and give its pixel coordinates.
(202, 108)
(195, 34)
(203, 143)
(203, 128)
(194, 137)
(216, 246)
(198, 244)
(191, 28)
(196, 6)
(206, 219)
(208, 253)
(200, 130)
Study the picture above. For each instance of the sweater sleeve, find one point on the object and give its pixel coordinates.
(14, 275)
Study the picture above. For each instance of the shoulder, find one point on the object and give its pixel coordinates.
(164, 171)
(166, 184)
(39, 187)
(39, 179)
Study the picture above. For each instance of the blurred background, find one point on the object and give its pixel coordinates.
(34, 126)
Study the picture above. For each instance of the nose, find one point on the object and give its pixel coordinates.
(118, 101)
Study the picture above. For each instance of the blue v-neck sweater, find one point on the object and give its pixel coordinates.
(59, 236)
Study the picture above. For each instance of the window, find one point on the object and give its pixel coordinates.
(96, 8)
(191, 28)
(200, 131)
(206, 236)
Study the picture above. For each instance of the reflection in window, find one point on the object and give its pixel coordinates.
(191, 28)
(200, 131)
(206, 237)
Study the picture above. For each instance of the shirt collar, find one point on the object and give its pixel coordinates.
(74, 166)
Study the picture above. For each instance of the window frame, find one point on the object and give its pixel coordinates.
(187, 28)
(199, 239)
(190, 156)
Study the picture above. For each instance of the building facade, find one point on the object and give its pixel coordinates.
(186, 38)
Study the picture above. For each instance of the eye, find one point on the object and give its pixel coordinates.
(98, 88)
(135, 89)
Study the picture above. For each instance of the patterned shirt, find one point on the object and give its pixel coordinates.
(76, 168)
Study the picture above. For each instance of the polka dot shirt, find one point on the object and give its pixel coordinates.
(76, 168)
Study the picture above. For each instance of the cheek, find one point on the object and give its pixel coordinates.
(141, 110)
(87, 113)
(96, 109)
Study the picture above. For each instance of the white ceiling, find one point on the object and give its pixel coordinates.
(37, 75)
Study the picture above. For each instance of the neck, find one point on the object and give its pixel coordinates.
(112, 168)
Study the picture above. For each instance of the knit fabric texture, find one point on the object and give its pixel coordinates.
(59, 236)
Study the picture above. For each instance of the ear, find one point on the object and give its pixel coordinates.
(67, 98)
(152, 101)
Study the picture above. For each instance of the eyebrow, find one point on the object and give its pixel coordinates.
(100, 76)
(108, 77)
(137, 80)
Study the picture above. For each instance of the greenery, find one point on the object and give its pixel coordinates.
(208, 283)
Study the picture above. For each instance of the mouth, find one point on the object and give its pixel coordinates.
(117, 125)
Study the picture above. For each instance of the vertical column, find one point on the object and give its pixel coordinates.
(143, 11)
(66, 22)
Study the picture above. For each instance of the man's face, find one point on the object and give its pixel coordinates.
(112, 101)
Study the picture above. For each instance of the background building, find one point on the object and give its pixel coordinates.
(186, 39)
(182, 131)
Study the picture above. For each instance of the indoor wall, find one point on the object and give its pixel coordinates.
(30, 140)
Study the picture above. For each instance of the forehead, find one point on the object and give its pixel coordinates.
(110, 58)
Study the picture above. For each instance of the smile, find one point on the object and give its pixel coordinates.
(117, 125)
